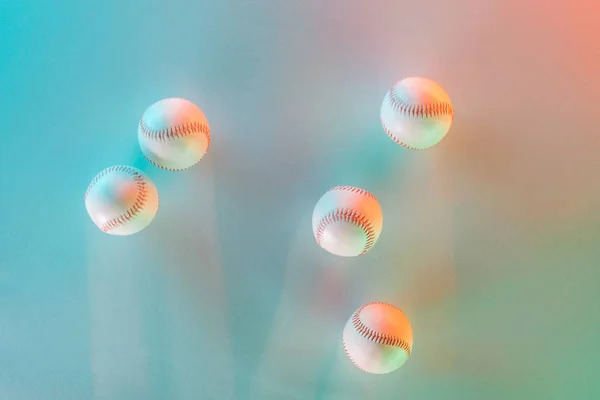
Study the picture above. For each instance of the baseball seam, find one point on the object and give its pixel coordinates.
(353, 189)
(419, 110)
(176, 132)
(163, 167)
(398, 141)
(347, 215)
(377, 337)
(137, 206)
(395, 139)
(352, 359)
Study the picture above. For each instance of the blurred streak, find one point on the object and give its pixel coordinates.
(254, 215)
(315, 280)
(338, 286)
(316, 283)
(118, 352)
(174, 290)
(196, 328)
(417, 273)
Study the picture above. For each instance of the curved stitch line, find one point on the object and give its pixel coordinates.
(353, 360)
(353, 189)
(167, 168)
(137, 206)
(347, 215)
(398, 141)
(419, 110)
(176, 132)
(377, 337)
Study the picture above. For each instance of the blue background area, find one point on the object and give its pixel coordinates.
(490, 240)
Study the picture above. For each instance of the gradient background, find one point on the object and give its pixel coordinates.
(490, 241)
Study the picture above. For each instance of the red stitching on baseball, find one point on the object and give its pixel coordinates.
(391, 135)
(176, 132)
(377, 337)
(135, 209)
(167, 168)
(353, 190)
(352, 216)
(419, 110)
(352, 359)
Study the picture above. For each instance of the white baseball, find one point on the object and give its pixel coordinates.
(121, 200)
(174, 134)
(416, 113)
(347, 221)
(378, 338)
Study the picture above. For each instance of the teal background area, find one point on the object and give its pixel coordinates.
(490, 239)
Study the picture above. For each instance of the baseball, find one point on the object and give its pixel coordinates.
(347, 221)
(121, 200)
(378, 338)
(174, 134)
(416, 113)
